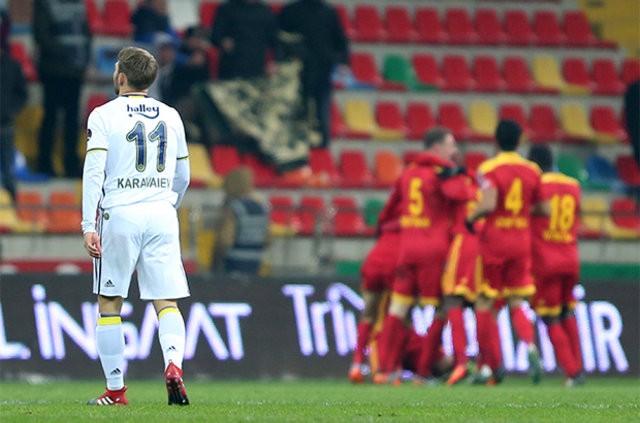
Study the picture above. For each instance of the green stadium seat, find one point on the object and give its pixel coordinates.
(372, 208)
(397, 73)
(572, 166)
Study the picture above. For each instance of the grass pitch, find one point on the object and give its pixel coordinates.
(600, 400)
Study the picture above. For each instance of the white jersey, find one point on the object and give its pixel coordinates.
(136, 152)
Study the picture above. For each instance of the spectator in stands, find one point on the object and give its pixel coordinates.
(192, 64)
(149, 19)
(244, 31)
(164, 50)
(242, 230)
(632, 117)
(62, 35)
(325, 46)
(13, 96)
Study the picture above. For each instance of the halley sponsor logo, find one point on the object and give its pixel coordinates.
(150, 112)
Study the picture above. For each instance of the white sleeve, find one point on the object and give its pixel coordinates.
(93, 174)
(183, 170)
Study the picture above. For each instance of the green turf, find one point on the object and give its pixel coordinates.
(600, 400)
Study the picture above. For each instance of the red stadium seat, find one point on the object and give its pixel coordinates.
(459, 26)
(264, 175)
(604, 121)
(117, 18)
(323, 168)
(208, 11)
(389, 117)
(576, 72)
(517, 28)
(473, 159)
(224, 158)
(515, 112)
(543, 124)
(30, 208)
(419, 120)
(338, 128)
(64, 215)
(628, 170)
(605, 76)
(426, 70)
(517, 75)
(547, 28)
(487, 74)
(387, 168)
(364, 69)
(354, 170)
(348, 220)
(94, 18)
(283, 211)
(625, 214)
(345, 20)
(630, 71)
(311, 214)
(368, 24)
(456, 73)
(429, 27)
(399, 26)
(19, 54)
(577, 29)
(488, 27)
(451, 115)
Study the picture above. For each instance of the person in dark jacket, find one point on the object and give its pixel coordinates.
(62, 35)
(325, 47)
(632, 116)
(149, 19)
(244, 31)
(13, 97)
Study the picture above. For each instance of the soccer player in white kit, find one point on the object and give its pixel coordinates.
(136, 173)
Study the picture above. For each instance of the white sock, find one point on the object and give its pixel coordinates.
(171, 334)
(110, 340)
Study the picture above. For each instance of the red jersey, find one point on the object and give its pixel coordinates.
(554, 245)
(427, 206)
(507, 230)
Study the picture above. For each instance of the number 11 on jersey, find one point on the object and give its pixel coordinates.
(138, 136)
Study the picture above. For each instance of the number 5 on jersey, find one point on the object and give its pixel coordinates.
(138, 136)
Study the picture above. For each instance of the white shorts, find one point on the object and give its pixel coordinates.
(143, 237)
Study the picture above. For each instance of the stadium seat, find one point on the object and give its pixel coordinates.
(628, 170)
(605, 77)
(625, 214)
(372, 208)
(456, 73)
(573, 166)
(214, 60)
(390, 121)
(64, 215)
(94, 18)
(547, 28)
(459, 26)
(31, 209)
(577, 29)
(94, 100)
(488, 27)
(419, 120)
(224, 158)
(323, 168)
(208, 11)
(365, 71)
(517, 76)
(347, 218)
(345, 20)
(606, 126)
(354, 170)
(546, 73)
(338, 128)
(397, 73)
(428, 26)
(282, 212)
(483, 120)
(427, 74)
(575, 123)
(576, 74)
(202, 175)
(19, 53)
(275, 7)
(487, 75)
(630, 71)
(543, 124)
(473, 159)
(264, 175)
(451, 115)
(358, 117)
(602, 174)
(399, 26)
(387, 168)
(116, 17)
(312, 215)
(8, 216)
(517, 28)
(515, 112)
(593, 210)
(368, 24)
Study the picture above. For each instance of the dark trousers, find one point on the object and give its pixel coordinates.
(61, 93)
(321, 94)
(7, 160)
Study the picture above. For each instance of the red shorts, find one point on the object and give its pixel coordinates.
(509, 277)
(553, 292)
(420, 280)
(379, 268)
(460, 269)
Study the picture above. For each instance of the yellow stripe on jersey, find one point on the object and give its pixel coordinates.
(559, 178)
(520, 291)
(166, 310)
(403, 299)
(451, 268)
(507, 158)
(432, 301)
(548, 311)
(109, 320)
(96, 149)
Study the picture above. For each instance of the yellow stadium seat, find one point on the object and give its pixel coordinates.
(546, 73)
(9, 220)
(358, 116)
(483, 119)
(575, 122)
(201, 171)
(596, 220)
(27, 127)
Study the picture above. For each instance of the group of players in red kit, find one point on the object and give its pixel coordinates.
(451, 238)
